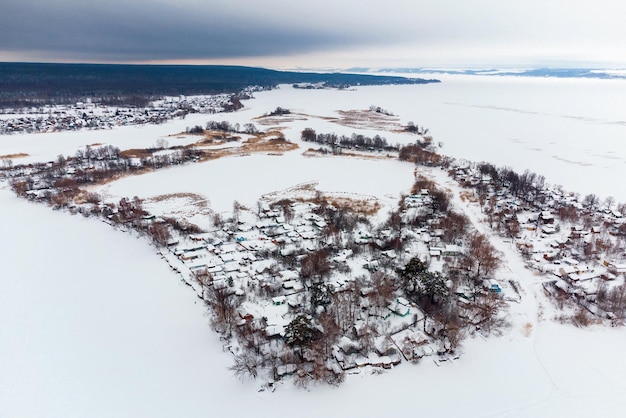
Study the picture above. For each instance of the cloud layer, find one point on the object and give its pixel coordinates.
(419, 31)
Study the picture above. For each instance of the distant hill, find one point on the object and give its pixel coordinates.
(38, 83)
(528, 72)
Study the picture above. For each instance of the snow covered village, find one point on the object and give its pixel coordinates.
(311, 285)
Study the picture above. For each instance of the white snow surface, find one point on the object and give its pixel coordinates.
(94, 324)
(247, 178)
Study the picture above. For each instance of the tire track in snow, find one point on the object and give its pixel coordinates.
(529, 303)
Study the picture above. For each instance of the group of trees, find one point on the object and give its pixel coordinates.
(315, 266)
(378, 109)
(61, 180)
(327, 312)
(527, 185)
(419, 153)
(482, 259)
(279, 111)
(223, 303)
(355, 141)
(413, 128)
(89, 153)
(426, 288)
(226, 126)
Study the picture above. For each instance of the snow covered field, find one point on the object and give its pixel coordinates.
(95, 324)
(246, 179)
(569, 130)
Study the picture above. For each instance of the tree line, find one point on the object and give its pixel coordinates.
(355, 141)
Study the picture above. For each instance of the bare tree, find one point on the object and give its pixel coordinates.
(308, 135)
(609, 202)
(203, 277)
(451, 332)
(285, 206)
(217, 220)
(486, 312)
(236, 211)
(482, 259)
(223, 303)
(454, 226)
(245, 366)
(383, 286)
(346, 305)
(315, 265)
(591, 201)
(159, 232)
(329, 335)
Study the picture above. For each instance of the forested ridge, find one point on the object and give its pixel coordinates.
(40, 83)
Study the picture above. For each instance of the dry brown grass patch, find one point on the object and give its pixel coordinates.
(313, 153)
(361, 119)
(366, 156)
(275, 133)
(12, 156)
(119, 176)
(468, 196)
(197, 200)
(208, 155)
(274, 145)
(528, 329)
(272, 142)
(220, 136)
(179, 134)
(208, 136)
(266, 120)
(136, 153)
(363, 206)
(308, 193)
(81, 197)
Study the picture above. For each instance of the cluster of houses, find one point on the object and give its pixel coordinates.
(576, 253)
(229, 254)
(569, 254)
(90, 115)
(578, 247)
(246, 256)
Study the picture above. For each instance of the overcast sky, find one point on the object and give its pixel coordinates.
(320, 33)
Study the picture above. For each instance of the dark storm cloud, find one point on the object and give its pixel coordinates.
(417, 30)
(157, 31)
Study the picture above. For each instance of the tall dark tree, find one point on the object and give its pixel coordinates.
(300, 332)
(321, 294)
(422, 285)
(591, 202)
(309, 135)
